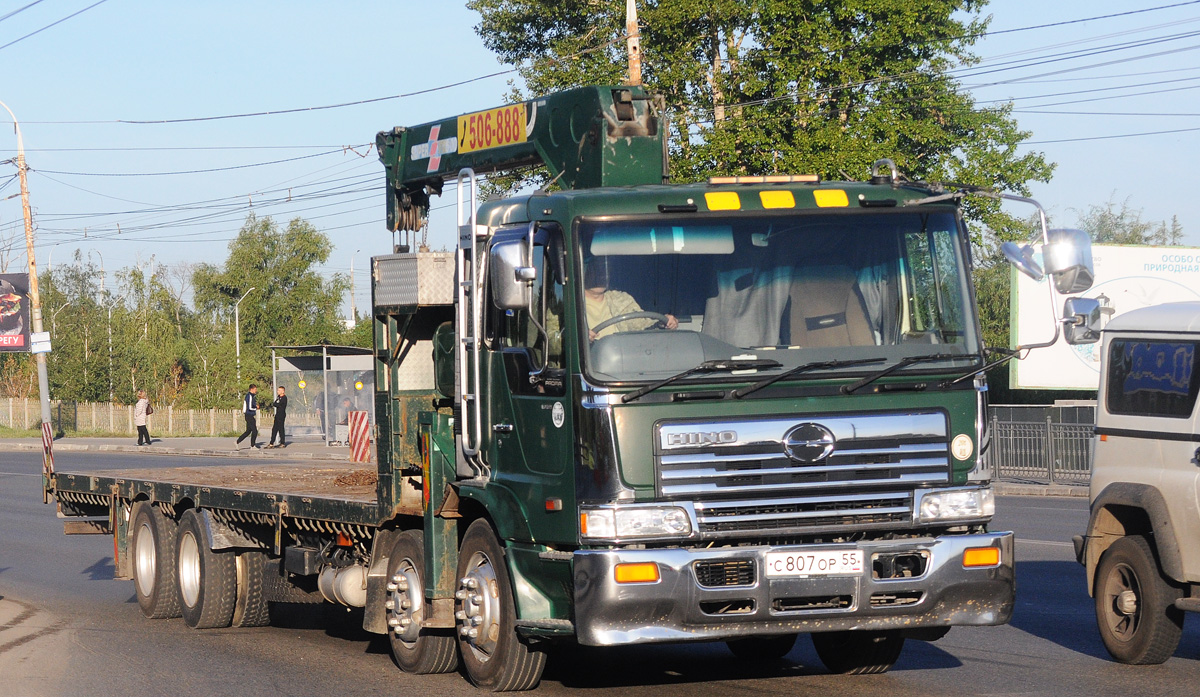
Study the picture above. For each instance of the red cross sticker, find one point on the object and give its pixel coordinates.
(435, 154)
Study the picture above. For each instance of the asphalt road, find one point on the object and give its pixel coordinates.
(67, 628)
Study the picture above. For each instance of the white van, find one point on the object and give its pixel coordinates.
(1142, 547)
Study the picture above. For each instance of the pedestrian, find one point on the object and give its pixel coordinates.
(250, 411)
(280, 405)
(140, 411)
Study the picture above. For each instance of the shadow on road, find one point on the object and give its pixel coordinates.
(334, 620)
(1053, 604)
(100, 571)
(632, 666)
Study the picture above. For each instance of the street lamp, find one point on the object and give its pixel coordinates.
(108, 302)
(237, 334)
(353, 307)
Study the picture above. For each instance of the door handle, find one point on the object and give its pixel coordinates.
(503, 428)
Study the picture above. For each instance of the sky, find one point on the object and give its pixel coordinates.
(1115, 102)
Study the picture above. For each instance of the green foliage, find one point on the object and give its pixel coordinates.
(179, 354)
(1113, 223)
(762, 86)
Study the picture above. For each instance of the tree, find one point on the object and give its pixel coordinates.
(1113, 223)
(762, 86)
(292, 304)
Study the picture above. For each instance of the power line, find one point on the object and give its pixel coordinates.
(39, 31)
(1123, 135)
(196, 171)
(19, 9)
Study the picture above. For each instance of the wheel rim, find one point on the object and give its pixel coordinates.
(189, 569)
(145, 562)
(1123, 595)
(406, 603)
(479, 618)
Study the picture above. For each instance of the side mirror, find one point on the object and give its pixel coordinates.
(1081, 321)
(1021, 256)
(511, 277)
(1068, 259)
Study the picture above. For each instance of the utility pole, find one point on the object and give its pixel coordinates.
(353, 307)
(35, 309)
(633, 43)
(237, 334)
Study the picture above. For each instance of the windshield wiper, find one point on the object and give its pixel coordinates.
(847, 389)
(807, 367)
(717, 366)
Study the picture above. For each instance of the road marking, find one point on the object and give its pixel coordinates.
(1052, 543)
(19, 474)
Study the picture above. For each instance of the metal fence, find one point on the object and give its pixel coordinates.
(104, 417)
(1055, 449)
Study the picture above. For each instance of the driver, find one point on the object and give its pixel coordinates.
(603, 304)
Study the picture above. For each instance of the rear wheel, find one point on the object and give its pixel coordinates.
(416, 650)
(1135, 605)
(858, 652)
(207, 579)
(494, 655)
(152, 546)
(764, 648)
(251, 608)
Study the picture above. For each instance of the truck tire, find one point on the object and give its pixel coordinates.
(207, 579)
(417, 650)
(251, 608)
(1135, 604)
(495, 656)
(858, 652)
(762, 648)
(152, 546)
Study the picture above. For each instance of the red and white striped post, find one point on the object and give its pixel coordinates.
(360, 437)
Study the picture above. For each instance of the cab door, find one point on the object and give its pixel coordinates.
(530, 446)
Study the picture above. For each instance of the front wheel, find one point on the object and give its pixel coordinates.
(1135, 605)
(494, 655)
(417, 650)
(858, 652)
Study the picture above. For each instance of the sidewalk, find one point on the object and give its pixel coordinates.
(306, 449)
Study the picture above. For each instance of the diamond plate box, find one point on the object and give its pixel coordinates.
(424, 278)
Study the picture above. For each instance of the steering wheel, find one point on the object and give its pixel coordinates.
(641, 314)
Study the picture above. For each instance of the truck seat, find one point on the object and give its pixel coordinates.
(826, 310)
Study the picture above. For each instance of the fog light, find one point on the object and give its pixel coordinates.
(981, 556)
(643, 572)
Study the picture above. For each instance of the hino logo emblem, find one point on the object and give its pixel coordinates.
(808, 442)
(701, 438)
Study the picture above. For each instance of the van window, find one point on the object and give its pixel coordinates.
(1152, 378)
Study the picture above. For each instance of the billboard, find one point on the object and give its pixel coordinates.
(14, 312)
(1127, 278)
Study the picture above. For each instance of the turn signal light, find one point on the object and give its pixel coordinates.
(981, 556)
(643, 572)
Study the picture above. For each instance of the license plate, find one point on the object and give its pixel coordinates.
(846, 562)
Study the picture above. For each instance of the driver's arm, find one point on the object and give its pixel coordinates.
(628, 304)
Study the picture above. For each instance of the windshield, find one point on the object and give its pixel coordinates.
(662, 295)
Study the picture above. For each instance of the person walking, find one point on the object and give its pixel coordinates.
(140, 411)
(250, 411)
(280, 405)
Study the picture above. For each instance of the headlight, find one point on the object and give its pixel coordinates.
(956, 504)
(620, 522)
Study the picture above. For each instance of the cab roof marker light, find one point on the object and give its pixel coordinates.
(768, 179)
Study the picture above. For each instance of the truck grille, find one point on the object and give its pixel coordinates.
(742, 479)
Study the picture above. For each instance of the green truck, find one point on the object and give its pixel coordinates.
(621, 412)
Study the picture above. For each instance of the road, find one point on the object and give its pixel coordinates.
(67, 628)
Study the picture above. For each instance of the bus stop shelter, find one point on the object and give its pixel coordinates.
(324, 383)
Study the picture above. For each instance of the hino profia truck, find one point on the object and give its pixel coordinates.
(625, 411)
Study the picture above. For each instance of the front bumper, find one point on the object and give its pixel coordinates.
(677, 608)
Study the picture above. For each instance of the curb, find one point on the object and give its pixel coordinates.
(1058, 490)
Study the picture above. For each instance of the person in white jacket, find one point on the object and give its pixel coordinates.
(140, 412)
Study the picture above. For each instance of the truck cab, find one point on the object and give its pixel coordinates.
(1140, 549)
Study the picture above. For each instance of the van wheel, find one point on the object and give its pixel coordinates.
(494, 655)
(152, 544)
(417, 650)
(1135, 605)
(207, 579)
(858, 652)
(762, 648)
(251, 608)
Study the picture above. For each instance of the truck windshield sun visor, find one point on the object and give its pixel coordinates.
(665, 294)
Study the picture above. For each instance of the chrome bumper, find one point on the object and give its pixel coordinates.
(677, 608)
